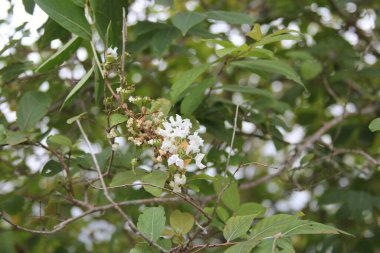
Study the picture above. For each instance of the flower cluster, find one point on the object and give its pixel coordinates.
(97, 232)
(141, 129)
(111, 54)
(180, 147)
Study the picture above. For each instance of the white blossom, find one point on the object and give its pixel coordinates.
(176, 188)
(97, 231)
(112, 133)
(177, 127)
(112, 52)
(194, 143)
(115, 146)
(175, 159)
(179, 179)
(198, 160)
(168, 146)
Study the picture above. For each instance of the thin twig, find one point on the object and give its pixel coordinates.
(107, 195)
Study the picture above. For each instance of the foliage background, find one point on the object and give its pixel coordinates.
(337, 179)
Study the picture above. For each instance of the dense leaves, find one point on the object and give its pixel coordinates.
(219, 123)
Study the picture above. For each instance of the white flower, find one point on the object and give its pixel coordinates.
(176, 188)
(179, 179)
(118, 90)
(112, 52)
(168, 146)
(174, 159)
(194, 143)
(115, 146)
(198, 160)
(177, 127)
(112, 133)
(97, 231)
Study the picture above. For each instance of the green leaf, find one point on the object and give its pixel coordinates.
(303, 227)
(127, 177)
(162, 40)
(143, 247)
(251, 209)
(195, 97)
(99, 86)
(151, 222)
(243, 247)
(186, 20)
(231, 196)
(68, 15)
(75, 118)
(157, 178)
(255, 33)
(234, 18)
(374, 125)
(260, 53)
(59, 139)
(201, 177)
(247, 90)
(185, 79)
(310, 69)
(3, 132)
(61, 55)
(270, 66)
(109, 12)
(15, 137)
(29, 6)
(12, 70)
(222, 213)
(51, 168)
(268, 40)
(117, 119)
(225, 51)
(181, 222)
(272, 225)
(161, 104)
(31, 109)
(77, 87)
(237, 226)
(13, 204)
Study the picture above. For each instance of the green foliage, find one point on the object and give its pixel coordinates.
(156, 178)
(32, 107)
(197, 59)
(374, 125)
(61, 55)
(151, 222)
(51, 168)
(271, 66)
(186, 20)
(68, 15)
(181, 222)
(237, 227)
(184, 80)
(230, 196)
(78, 86)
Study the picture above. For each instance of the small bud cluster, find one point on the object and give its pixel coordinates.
(141, 129)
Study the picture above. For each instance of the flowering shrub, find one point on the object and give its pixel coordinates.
(227, 158)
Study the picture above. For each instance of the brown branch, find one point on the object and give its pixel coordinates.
(94, 209)
(303, 147)
(108, 196)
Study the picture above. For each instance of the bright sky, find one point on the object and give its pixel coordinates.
(18, 18)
